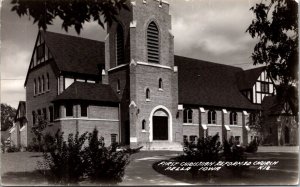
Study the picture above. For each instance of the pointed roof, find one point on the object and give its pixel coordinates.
(21, 111)
(209, 84)
(247, 78)
(88, 92)
(75, 54)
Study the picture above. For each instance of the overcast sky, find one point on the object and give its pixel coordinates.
(212, 30)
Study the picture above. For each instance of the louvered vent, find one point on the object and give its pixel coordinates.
(120, 45)
(153, 43)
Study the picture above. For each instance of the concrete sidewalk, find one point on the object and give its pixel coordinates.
(278, 149)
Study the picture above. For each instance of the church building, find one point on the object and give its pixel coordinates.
(135, 90)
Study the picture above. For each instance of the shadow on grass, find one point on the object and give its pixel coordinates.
(23, 178)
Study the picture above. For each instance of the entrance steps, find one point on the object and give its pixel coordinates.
(162, 145)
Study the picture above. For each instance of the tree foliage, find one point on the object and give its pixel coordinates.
(71, 12)
(276, 26)
(7, 116)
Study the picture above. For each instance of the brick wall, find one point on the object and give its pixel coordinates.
(39, 101)
(103, 112)
(236, 130)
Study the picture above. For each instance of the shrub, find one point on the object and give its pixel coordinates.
(252, 147)
(70, 162)
(12, 149)
(105, 164)
(206, 149)
(64, 159)
(233, 152)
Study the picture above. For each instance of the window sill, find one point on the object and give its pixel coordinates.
(160, 89)
(235, 125)
(212, 125)
(148, 100)
(144, 131)
(118, 91)
(190, 124)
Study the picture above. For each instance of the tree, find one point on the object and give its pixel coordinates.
(7, 116)
(71, 12)
(276, 26)
(38, 129)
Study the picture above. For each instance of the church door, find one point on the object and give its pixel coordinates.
(160, 128)
(286, 135)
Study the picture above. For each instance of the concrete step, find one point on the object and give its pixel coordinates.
(162, 145)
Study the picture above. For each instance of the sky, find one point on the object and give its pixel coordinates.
(212, 30)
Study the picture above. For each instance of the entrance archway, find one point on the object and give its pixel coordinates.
(160, 124)
(286, 135)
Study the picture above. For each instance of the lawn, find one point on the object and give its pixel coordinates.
(20, 169)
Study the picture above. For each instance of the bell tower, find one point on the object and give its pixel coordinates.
(150, 93)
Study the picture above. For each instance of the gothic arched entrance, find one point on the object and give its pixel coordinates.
(286, 135)
(160, 124)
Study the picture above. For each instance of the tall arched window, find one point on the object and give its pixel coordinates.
(120, 45)
(39, 85)
(143, 124)
(188, 115)
(153, 43)
(233, 118)
(34, 87)
(160, 84)
(48, 82)
(148, 94)
(211, 117)
(43, 83)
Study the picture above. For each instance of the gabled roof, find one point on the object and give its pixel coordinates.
(209, 84)
(75, 54)
(247, 78)
(88, 92)
(21, 111)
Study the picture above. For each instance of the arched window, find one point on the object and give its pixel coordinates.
(211, 117)
(153, 43)
(48, 82)
(39, 85)
(160, 84)
(233, 118)
(120, 45)
(188, 115)
(148, 94)
(34, 87)
(143, 124)
(118, 85)
(43, 83)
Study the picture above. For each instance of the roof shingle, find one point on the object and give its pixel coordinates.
(88, 92)
(75, 54)
(209, 84)
(247, 78)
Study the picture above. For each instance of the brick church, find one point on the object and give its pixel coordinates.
(135, 90)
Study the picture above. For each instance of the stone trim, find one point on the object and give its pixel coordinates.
(154, 65)
(86, 119)
(117, 67)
